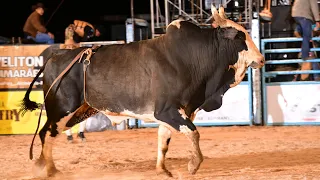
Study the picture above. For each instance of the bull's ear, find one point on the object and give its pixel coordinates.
(230, 33)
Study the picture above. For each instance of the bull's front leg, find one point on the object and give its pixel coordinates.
(196, 156)
(182, 123)
(164, 136)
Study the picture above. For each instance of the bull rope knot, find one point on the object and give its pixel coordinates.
(86, 63)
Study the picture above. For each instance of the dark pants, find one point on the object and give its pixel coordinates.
(88, 34)
(304, 26)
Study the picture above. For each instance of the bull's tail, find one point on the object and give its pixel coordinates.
(28, 105)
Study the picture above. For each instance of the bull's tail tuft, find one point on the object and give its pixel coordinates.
(28, 105)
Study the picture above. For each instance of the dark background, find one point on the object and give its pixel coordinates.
(60, 13)
(14, 13)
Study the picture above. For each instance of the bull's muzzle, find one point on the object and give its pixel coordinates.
(259, 63)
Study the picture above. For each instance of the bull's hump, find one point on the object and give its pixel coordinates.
(175, 23)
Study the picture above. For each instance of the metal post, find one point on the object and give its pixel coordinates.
(152, 18)
(269, 29)
(201, 11)
(256, 77)
(183, 5)
(192, 8)
(166, 11)
(250, 13)
(132, 17)
(157, 12)
(179, 7)
(246, 11)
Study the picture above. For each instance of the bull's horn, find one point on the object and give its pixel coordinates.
(217, 19)
(213, 10)
(221, 12)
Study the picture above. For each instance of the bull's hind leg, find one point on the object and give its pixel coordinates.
(181, 122)
(164, 136)
(56, 129)
(40, 162)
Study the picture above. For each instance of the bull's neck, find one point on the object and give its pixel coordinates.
(197, 53)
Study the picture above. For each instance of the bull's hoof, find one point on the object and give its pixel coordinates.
(38, 167)
(163, 171)
(194, 164)
(53, 172)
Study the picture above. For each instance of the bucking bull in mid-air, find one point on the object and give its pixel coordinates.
(167, 80)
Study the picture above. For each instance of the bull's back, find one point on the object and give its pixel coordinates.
(122, 77)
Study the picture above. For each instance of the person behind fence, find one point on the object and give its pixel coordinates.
(81, 31)
(305, 13)
(316, 32)
(80, 134)
(34, 28)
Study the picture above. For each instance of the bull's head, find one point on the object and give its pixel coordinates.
(251, 57)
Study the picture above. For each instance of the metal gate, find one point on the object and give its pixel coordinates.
(291, 102)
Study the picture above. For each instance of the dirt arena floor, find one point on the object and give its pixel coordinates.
(230, 153)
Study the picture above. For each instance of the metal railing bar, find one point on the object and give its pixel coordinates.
(288, 50)
(268, 73)
(289, 61)
(287, 39)
(292, 83)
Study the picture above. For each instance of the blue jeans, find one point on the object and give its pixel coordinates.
(304, 26)
(42, 38)
(316, 66)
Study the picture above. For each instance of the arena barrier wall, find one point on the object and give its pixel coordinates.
(236, 108)
(289, 103)
(19, 64)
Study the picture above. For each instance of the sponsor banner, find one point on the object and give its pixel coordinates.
(234, 109)
(293, 103)
(19, 65)
(11, 121)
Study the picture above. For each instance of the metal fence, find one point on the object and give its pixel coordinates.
(291, 102)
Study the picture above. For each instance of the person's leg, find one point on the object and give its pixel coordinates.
(82, 127)
(316, 66)
(68, 35)
(69, 135)
(44, 38)
(306, 27)
(298, 33)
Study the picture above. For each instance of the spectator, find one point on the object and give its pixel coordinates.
(316, 32)
(81, 31)
(34, 28)
(305, 12)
